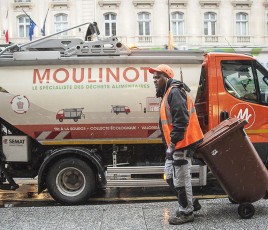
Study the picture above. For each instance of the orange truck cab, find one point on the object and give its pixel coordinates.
(233, 85)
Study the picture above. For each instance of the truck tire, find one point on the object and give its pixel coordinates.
(70, 181)
(60, 120)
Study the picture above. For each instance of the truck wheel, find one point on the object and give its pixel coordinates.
(75, 119)
(70, 181)
(61, 120)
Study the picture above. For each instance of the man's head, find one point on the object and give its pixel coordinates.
(161, 75)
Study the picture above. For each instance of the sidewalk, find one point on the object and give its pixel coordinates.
(215, 214)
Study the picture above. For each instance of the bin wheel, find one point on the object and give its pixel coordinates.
(246, 210)
(232, 201)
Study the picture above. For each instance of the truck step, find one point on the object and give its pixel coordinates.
(122, 176)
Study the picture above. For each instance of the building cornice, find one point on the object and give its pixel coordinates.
(109, 4)
(60, 4)
(143, 3)
(209, 3)
(242, 4)
(178, 3)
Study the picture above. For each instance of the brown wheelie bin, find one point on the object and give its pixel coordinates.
(234, 162)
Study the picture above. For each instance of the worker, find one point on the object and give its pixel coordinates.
(181, 134)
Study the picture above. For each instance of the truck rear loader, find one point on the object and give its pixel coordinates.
(77, 156)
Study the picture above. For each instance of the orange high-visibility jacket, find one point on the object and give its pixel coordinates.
(193, 131)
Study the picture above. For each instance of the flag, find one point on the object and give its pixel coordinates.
(31, 29)
(6, 29)
(43, 30)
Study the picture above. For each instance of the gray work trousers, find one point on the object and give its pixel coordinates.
(181, 178)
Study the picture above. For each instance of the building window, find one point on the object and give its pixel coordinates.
(210, 20)
(241, 24)
(177, 23)
(23, 26)
(110, 24)
(144, 23)
(61, 23)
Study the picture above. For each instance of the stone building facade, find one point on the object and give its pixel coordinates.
(144, 23)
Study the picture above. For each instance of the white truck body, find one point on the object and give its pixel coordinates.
(37, 93)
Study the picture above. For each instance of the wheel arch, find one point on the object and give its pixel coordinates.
(88, 155)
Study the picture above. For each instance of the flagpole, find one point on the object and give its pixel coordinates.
(169, 31)
(43, 30)
(168, 17)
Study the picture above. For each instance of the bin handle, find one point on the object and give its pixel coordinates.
(240, 121)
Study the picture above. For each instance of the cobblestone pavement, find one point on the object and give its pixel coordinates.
(215, 214)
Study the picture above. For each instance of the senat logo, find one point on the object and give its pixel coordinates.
(244, 111)
(5, 141)
(16, 141)
(20, 104)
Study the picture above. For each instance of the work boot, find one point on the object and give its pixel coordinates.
(196, 204)
(182, 219)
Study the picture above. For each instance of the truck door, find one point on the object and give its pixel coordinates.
(243, 93)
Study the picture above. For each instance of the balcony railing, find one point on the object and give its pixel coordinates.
(180, 38)
(145, 39)
(211, 39)
(243, 39)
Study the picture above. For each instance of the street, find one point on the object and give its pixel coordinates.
(123, 209)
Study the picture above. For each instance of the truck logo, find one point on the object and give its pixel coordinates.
(73, 113)
(120, 109)
(245, 112)
(20, 104)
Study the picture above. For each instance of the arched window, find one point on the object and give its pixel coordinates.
(23, 26)
(144, 20)
(241, 24)
(177, 23)
(210, 20)
(110, 24)
(61, 23)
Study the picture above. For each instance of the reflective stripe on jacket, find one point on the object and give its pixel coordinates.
(193, 131)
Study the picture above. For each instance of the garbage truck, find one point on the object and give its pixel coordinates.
(74, 158)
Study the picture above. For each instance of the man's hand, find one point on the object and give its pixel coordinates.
(170, 151)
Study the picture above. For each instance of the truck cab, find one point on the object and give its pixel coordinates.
(234, 85)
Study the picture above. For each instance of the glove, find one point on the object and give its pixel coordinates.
(169, 152)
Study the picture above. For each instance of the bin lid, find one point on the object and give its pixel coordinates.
(221, 130)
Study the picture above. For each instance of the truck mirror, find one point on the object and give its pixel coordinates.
(265, 79)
